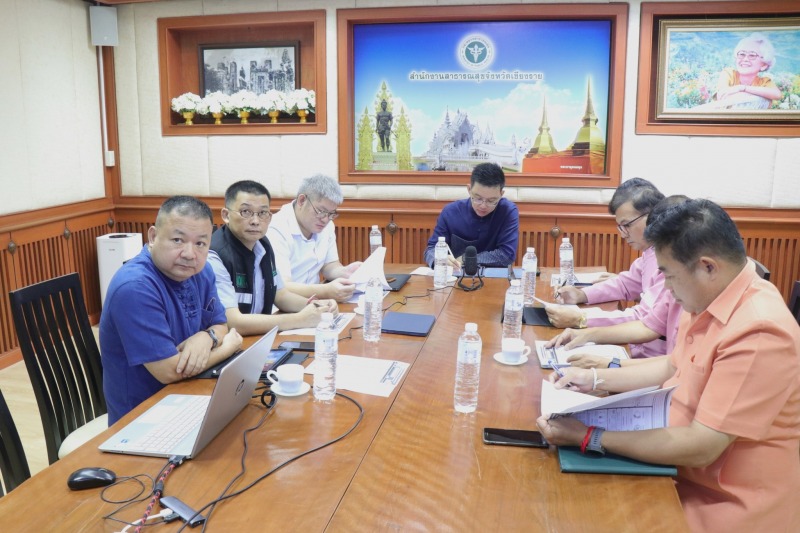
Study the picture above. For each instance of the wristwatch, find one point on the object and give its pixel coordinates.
(582, 321)
(594, 447)
(614, 363)
(214, 339)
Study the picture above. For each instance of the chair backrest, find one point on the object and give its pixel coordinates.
(761, 270)
(794, 301)
(61, 356)
(13, 465)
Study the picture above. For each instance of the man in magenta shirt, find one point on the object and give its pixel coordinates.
(650, 325)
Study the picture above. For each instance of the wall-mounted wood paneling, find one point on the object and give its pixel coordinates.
(770, 236)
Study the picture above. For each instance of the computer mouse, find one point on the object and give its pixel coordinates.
(90, 478)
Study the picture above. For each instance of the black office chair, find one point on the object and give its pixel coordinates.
(761, 270)
(13, 465)
(794, 301)
(63, 361)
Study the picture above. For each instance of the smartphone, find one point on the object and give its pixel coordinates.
(514, 437)
(298, 346)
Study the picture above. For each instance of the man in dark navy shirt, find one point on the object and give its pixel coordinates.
(485, 220)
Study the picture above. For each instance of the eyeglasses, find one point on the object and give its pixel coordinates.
(623, 228)
(321, 214)
(749, 55)
(247, 214)
(483, 201)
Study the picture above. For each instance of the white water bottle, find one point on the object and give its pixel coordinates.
(374, 239)
(326, 349)
(566, 259)
(468, 370)
(440, 264)
(373, 311)
(529, 266)
(512, 315)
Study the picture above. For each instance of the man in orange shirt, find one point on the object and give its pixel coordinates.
(734, 429)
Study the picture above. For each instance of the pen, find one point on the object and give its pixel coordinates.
(557, 294)
(311, 299)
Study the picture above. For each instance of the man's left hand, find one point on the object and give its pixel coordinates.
(565, 431)
(193, 354)
(352, 267)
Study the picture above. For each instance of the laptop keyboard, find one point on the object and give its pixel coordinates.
(164, 437)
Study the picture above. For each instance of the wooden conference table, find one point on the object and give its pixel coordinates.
(412, 464)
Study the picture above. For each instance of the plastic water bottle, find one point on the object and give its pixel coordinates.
(374, 239)
(326, 349)
(512, 316)
(440, 264)
(567, 261)
(373, 310)
(468, 370)
(529, 266)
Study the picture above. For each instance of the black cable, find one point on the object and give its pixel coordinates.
(134, 499)
(408, 297)
(253, 483)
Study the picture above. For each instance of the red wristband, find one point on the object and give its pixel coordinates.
(586, 438)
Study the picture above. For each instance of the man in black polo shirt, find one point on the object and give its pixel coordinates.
(248, 283)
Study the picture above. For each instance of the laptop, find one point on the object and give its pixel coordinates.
(396, 281)
(183, 424)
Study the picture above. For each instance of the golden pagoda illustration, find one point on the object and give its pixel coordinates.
(586, 154)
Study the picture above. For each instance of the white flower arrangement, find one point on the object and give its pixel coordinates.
(304, 99)
(272, 100)
(215, 102)
(187, 102)
(243, 101)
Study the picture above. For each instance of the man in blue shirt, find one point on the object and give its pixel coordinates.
(162, 320)
(485, 220)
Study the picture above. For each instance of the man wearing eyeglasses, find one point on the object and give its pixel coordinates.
(248, 282)
(650, 326)
(485, 220)
(303, 237)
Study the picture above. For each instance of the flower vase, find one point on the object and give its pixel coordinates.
(273, 116)
(244, 115)
(188, 116)
(302, 113)
(217, 117)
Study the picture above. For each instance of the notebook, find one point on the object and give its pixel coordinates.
(572, 460)
(399, 281)
(407, 324)
(183, 424)
(535, 316)
(502, 272)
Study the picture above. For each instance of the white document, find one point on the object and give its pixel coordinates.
(646, 408)
(548, 304)
(372, 267)
(587, 277)
(339, 323)
(560, 354)
(367, 375)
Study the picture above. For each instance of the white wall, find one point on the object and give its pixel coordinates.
(50, 144)
(734, 171)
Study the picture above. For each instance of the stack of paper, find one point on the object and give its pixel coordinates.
(378, 377)
(560, 354)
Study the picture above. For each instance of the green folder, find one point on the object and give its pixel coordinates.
(572, 460)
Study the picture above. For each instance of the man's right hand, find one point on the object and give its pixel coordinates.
(340, 289)
(310, 315)
(571, 295)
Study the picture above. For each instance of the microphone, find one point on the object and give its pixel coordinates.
(470, 268)
(470, 261)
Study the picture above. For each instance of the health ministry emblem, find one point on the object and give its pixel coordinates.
(475, 52)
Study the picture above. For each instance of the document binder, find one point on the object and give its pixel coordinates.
(407, 324)
(572, 460)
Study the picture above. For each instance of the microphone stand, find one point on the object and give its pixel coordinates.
(475, 284)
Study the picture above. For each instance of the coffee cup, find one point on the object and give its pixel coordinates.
(288, 378)
(514, 350)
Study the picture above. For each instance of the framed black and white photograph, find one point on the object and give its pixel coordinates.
(254, 67)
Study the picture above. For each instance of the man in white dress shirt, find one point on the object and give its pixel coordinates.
(304, 241)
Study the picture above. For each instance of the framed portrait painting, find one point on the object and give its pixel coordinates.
(719, 68)
(255, 67)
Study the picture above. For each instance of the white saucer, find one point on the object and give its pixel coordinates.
(304, 388)
(499, 358)
(358, 311)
